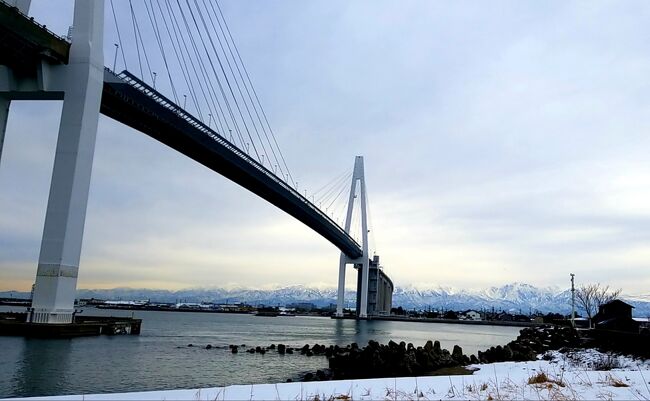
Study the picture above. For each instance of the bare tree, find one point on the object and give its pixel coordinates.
(591, 296)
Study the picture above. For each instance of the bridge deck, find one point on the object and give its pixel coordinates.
(127, 99)
(23, 42)
(132, 102)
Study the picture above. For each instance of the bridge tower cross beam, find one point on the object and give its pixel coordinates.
(5, 102)
(358, 179)
(82, 80)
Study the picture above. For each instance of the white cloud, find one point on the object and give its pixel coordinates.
(503, 142)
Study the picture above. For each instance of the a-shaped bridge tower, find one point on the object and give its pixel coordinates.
(374, 288)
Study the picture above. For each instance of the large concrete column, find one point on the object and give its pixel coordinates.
(340, 299)
(363, 313)
(58, 265)
(5, 103)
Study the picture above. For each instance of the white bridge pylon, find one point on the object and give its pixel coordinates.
(79, 84)
(358, 179)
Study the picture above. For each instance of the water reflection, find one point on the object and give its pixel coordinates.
(42, 367)
(160, 359)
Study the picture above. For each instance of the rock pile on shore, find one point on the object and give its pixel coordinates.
(398, 360)
(392, 360)
(530, 342)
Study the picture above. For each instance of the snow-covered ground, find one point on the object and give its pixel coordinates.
(557, 376)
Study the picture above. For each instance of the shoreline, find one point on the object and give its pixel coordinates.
(560, 376)
(381, 318)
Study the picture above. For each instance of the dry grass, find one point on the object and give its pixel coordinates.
(616, 382)
(543, 379)
(539, 378)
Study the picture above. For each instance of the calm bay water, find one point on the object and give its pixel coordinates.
(159, 358)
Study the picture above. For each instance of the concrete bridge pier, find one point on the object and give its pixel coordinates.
(58, 265)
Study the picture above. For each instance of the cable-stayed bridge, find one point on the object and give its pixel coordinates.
(36, 64)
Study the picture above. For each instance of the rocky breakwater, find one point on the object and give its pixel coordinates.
(397, 360)
(531, 342)
(392, 360)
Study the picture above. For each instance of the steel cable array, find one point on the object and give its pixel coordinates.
(193, 41)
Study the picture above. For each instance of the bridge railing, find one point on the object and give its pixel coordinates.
(33, 21)
(143, 87)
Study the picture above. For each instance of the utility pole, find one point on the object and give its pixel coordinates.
(573, 301)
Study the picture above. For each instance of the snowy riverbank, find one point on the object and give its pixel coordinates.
(556, 376)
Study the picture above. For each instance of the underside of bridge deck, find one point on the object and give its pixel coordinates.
(162, 120)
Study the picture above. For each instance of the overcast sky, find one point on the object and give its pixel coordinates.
(503, 141)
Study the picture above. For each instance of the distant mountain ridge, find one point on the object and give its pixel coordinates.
(513, 297)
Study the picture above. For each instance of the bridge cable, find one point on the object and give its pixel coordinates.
(341, 182)
(180, 60)
(223, 93)
(372, 245)
(203, 78)
(241, 76)
(340, 210)
(144, 48)
(220, 116)
(337, 196)
(180, 37)
(210, 90)
(119, 36)
(232, 73)
(224, 73)
(137, 47)
(154, 24)
(331, 182)
(208, 33)
(252, 87)
(209, 81)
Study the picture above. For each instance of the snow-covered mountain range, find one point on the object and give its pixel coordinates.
(512, 297)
